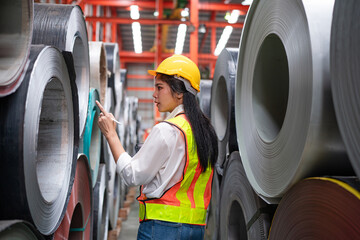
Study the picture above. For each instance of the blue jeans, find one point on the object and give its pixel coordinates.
(158, 230)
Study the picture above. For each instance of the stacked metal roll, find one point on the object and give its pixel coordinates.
(285, 120)
(222, 103)
(64, 26)
(204, 96)
(345, 74)
(77, 221)
(16, 18)
(18, 229)
(320, 208)
(39, 141)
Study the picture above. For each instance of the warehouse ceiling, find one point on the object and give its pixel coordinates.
(211, 22)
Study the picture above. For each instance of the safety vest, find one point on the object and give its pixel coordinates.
(187, 200)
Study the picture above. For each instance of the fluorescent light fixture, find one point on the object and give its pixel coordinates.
(134, 12)
(136, 32)
(180, 38)
(247, 2)
(185, 12)
(223, 40)
(234, 16)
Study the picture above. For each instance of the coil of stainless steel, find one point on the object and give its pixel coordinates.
(113, 64)
(16, 25)
(105, 149)
(222, 102)
(114, 195)
(76, 223)
(204, 96)
(90, 144)
(319, 208)
(64, 26)
(100, 206)
(98, 68)
(345, 75)
(212, 221)
(285, 119)
(243, 215)
(39, 137)
(19, 230)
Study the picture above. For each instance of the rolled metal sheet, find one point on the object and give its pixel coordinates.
(100, 206)
(39, 139)
(98, 68)
(345, 75)
(17, 230)
(91, 143)
(16, 26)
(243, 215)
(114, 195)
(113, 64)
(222, 102)
(76, 223)
(285, 120)
(64, 26)
(212, 221)
(105, 149)
(319, 208)
(204, 96)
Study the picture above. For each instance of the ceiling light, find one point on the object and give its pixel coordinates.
(156, 13)
(223, 40)
(134, 12)
(234, 16)
(247, 2)
(180, 39)
(185, 12)
(136, 32)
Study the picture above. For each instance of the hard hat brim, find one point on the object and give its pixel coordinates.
(152, 72)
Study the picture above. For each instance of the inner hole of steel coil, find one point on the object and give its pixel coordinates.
(270, 87)
(53, 141)
(95, 141)
(14, 37)
(237, 224)
(76, 222)
(220, 108)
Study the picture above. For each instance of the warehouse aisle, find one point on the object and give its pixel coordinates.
(130, 226)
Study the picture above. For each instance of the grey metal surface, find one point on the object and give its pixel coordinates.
(64, 26)
(345, 75)
(285, 120)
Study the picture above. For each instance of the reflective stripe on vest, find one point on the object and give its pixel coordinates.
(186, 201)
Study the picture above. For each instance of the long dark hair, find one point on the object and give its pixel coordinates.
(204, 133)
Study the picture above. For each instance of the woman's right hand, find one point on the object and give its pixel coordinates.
(106, 122)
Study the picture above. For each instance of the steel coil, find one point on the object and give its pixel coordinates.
(64, 26)
(345, 75)
(91, 143)
(76, 223)
(98, 68)
(114, 195)
(105, 149)
(39, 137)
(204, 96)
(212, 221)
(18, 230)
(319, 208)
(285, 120)
(16, 25)
(100, 206)
(222, 102)
(243, 215)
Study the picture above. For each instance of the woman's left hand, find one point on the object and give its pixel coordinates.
(106, 122)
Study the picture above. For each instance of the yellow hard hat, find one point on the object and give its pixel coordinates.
(180, 66)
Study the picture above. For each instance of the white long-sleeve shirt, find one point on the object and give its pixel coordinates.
(160, 162)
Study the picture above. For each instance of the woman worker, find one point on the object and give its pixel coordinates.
(175, 164)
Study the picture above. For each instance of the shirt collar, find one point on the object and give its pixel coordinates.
(176, 111)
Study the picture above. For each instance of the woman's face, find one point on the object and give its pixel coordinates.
(164, 98)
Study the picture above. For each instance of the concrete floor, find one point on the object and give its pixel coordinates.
(130, 226)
